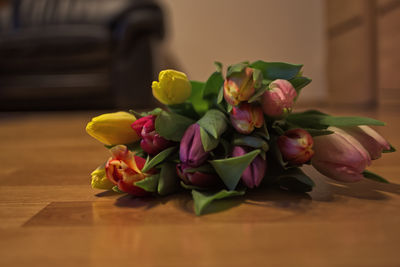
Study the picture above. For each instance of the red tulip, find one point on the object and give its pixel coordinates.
(246, 117)
(197, 178)
(278, 100)
(152, 143)
(124, 169)
(296, 146)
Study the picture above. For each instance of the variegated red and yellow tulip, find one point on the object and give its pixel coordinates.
(246, 117)
(296, 146)
(239, 87)
(124, 169)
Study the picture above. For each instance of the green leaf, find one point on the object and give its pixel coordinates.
(172, 126)
(251, 141)
(230, 170)
(200, 105)
(220, 96)
(350, 121)
(204, 199)
(257, 78)
(209, 142)
(169, 180)
(155, 111)
(185, 109)
(316, 132)
(149, 183)
(236, 68)
(299, 83)
(373, 176)
(117, 190)
(277, 70)
(191, 187)
(213, 86)
(257, 94)
(296, 180)
(157, 159)
(392, 149)
(218, 66)
(214, 122)
(206, 168)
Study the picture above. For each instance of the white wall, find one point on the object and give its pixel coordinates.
(231, 31)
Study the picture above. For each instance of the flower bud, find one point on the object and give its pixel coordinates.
(124, 169)
(152, 143)
(239, 87)
(246, 117)
(197, 178)
(296, 146)
(254, 173)
(113, 128)
(373, 142)
(340, 156)
(191, 150)
(99, 179)
(172, 88)
(278, 100)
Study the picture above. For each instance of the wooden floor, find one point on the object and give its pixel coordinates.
(50, 216)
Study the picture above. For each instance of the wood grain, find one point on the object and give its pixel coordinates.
(49, 215)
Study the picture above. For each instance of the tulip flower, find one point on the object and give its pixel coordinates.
(373, 142)
(296, 146)
(100, 180)
(340, 156)
(239, 87)
(197, 178)
(113, 128)
(246, 117)
(278, 100)
(152, 143)
(254, 173)
(191, 150)
(172, 88)
(124, 169)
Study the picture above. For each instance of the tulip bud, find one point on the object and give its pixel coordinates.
(373, 142)
(340, 156)
(99, 179)
(239, 87)
(191, 150)
(152, 143)
(113, 128)
(197, 178)
(278, 100)
(124, 169)
(296, 146)
(172, 88)
(254, 173)
(246, 117)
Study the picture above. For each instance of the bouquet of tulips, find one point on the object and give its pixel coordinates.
(234, 132)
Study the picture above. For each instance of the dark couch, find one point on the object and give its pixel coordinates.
(77, 54)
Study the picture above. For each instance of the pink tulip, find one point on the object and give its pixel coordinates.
(278, 100)
(340, 156)
(254, 173)
(239, 87)
(246, 117)
(152, 143)
(124, 169)
(296, 146)
(373, 142)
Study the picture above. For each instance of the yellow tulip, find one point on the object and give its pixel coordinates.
(113, 128)
(100, 180)
(172, 88)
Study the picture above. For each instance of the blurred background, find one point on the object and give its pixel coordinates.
(103, 54)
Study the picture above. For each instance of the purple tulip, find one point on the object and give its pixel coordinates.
(152, 143)
(340, 156)
(191, 151)
(197, 178)
(278, 100)
(254, 173)
(296, 146)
